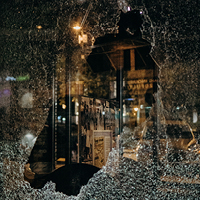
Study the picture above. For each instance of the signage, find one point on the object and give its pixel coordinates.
(102, 145)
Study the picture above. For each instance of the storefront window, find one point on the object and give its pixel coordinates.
(91, 93)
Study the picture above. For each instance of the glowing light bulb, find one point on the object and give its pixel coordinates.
(77, 27)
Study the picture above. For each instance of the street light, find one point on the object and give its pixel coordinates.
(82, 38)
(77, 28)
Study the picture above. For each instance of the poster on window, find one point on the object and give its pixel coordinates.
(102, 145)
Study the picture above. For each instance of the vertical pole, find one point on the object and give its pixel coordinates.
(120, 101)
(120, 97)
(56, 122)
(53, 125)
(156, 124)
(79, 130)
(68, 123)
(104, 116)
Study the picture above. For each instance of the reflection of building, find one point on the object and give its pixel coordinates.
(131, 58)
(128, 54)
(140, 85)
(138, 88)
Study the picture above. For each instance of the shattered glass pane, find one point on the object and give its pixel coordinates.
(156, 159)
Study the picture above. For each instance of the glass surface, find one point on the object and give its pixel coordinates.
(80, 81)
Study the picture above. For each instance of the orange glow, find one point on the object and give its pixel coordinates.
(39, 27)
